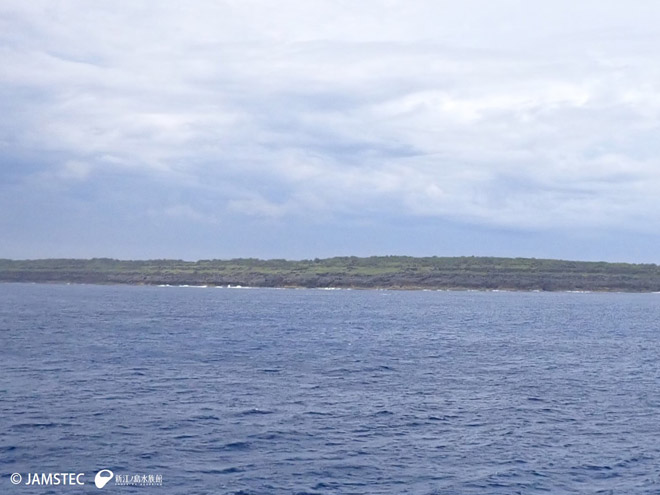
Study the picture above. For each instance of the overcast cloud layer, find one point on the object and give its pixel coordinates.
(214, 129)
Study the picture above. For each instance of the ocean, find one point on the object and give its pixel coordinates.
(187, 390)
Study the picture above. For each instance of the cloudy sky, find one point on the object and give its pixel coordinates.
(313, 128)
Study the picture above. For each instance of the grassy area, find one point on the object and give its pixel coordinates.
(371, 272)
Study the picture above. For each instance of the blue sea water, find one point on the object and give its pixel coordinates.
(341, 392)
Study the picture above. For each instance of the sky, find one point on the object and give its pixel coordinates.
(316, 128)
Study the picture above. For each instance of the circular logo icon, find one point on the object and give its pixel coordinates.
(102, 477)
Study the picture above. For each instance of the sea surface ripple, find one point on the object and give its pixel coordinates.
(342, 392)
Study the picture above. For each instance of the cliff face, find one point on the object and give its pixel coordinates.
(375, 272)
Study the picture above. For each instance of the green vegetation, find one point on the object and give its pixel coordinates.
(394, 272)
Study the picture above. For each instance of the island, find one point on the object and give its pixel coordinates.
(375, 272)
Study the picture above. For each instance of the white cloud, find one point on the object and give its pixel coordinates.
(525, 116)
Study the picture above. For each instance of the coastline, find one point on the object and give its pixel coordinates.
(376, 273)
(330, 289)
